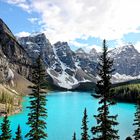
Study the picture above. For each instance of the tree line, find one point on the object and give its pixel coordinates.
(106, 123)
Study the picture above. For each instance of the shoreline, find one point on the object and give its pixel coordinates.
(18, 108)
(15, 110)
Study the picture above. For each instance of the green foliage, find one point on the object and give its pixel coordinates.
(18, 134)
(6, 98)
(137, 121)
(128, 138)
(38, 112)
(10, 101)
(105, 129)
(84, 127)
(128, 92)
(131, 88)
(5, 128)
(74, 136)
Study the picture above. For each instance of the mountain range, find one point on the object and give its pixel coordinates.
(65, 68)
(69, 69)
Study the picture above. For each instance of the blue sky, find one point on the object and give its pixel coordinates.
(82, 23)
(17, 19)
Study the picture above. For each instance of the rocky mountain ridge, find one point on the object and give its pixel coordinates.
(68, 68)
(126, 60)
(15, 68)
(62, 64)
(12, 55)
(65, 68)
(14, 60)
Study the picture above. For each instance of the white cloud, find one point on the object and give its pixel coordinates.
(16, 1)
(24, 4)
(85, 46)
(33, 20)
(77, 44)
(137, 46)
(22, 34)
(67, 20)
(119, 43)
(97, 48)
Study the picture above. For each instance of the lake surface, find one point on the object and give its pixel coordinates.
(65, 112)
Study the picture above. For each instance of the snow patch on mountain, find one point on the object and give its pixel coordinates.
(63, 80)
(122, 50)
(10, 74)
(116, 78)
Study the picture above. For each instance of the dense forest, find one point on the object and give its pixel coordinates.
(126, 93)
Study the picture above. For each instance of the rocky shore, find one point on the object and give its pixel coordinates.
(15, 110)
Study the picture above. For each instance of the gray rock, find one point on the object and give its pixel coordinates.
(126, 60)
(12, 54)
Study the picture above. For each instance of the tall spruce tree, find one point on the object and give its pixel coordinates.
(137, 121)
(74, 136)
(5, 128)
(84, 127)
(128, 138)
(18, 133)
(38, 112)
(105, 129)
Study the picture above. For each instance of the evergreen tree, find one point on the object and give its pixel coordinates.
(128, 138)
(84, 128)
(38, 112)
(105, 122)
(5, 128)
(18, 134)
(74, 136)
(137, 121)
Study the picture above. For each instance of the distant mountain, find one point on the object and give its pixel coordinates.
(126, 60)
(68, 69)
(94, 53)
(80, 51)
(64, 66)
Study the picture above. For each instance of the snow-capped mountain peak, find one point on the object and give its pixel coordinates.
(93, 51)
(127, 49)
(62, 64)
(80, 50)
(68, 68)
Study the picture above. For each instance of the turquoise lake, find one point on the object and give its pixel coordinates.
(65, 112)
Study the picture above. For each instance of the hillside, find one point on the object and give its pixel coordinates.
(15, 68)
(127, 92)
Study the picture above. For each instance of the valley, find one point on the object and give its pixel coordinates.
(65, 69)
